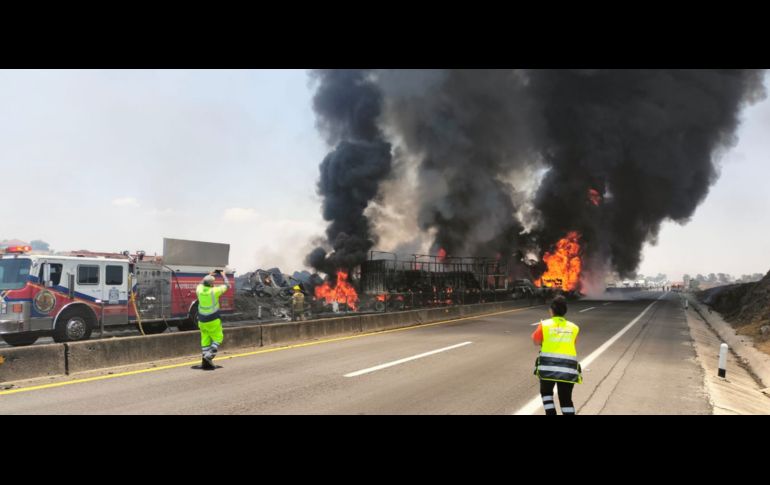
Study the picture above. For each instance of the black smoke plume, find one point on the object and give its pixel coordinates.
(647, 140)
(348, 104)
(468, 128)
(621, 150)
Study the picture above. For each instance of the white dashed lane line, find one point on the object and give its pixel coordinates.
(407, 359)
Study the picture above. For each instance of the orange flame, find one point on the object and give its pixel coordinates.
(594, 197)
(441, 255)
(342, 293)
(564, 264)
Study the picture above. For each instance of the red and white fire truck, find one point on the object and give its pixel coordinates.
(69, 297)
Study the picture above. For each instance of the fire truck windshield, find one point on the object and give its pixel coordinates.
(13, 273)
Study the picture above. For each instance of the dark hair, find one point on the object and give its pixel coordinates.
(559, 306)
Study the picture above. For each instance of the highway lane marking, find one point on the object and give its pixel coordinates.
(608, 303)
(248, 354)
(581, 311)
(403, 361)
(536, 403)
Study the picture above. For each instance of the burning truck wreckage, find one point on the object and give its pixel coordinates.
(450, 186)
(385, 283)
(550, 179)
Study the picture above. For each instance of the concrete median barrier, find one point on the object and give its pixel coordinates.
(114, 352)
(280, 333)
(439, 314)
(59, 359)
(330, 327)
(31, 362)
(388, 321)
(242, 337)
(473, 310)
(485, 308)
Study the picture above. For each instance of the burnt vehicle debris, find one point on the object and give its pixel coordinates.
(388, 282)
(267, 294)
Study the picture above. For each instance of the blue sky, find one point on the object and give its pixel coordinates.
(114, 160)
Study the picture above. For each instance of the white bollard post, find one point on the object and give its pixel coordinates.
(722, 360)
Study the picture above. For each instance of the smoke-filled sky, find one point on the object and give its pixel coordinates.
(113, 160)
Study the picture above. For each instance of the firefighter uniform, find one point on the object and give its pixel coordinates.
(298, 304)
(557, 362)
(209, 320)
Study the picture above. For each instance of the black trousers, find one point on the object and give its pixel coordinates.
(565, 397)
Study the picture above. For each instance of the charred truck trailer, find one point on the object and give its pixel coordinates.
(69, 297)
(388, 282)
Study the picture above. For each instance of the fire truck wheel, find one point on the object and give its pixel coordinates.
(191, 323)
(73, 325)
(153, 328)
(20, 339)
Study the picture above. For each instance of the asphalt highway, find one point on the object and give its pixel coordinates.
(637, 358)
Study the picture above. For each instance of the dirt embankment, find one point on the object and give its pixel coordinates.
(745, 306)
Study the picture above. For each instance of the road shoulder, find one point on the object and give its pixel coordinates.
(741, 392)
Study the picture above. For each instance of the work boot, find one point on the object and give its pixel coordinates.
(206, 364)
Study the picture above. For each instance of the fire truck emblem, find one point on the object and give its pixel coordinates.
(44, 301)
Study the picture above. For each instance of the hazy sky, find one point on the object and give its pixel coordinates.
(114, 160)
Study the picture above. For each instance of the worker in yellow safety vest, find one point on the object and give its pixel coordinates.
(209, 320)
(557, 363)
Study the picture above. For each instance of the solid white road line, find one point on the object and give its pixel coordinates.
(401, 361)
(536, 403)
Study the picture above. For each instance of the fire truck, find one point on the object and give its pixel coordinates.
(68, 297)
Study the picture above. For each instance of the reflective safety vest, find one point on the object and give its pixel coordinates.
(558, 358)
(208, 302)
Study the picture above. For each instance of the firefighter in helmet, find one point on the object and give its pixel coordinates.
(209, 317)
(298, 304)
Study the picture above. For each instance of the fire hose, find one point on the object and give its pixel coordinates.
(136, 310)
